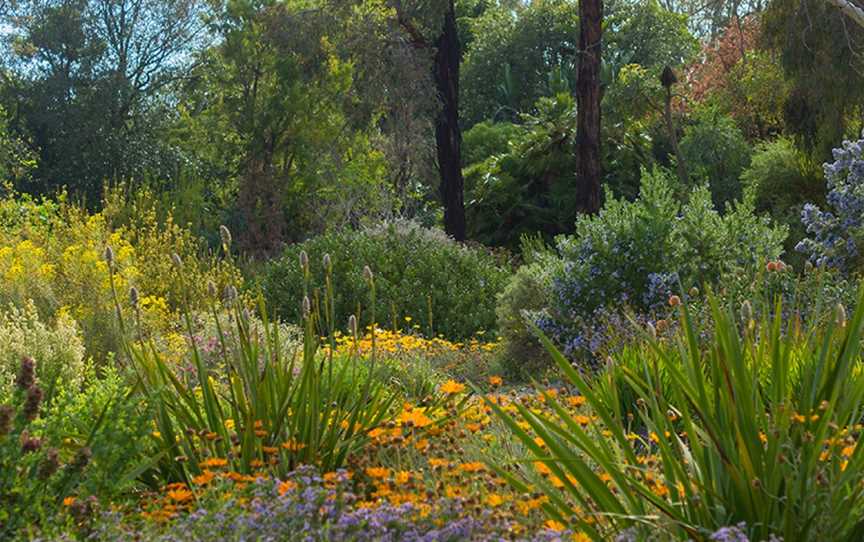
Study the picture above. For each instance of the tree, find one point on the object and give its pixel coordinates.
(448, 136)
(588, 98)
(88, 81)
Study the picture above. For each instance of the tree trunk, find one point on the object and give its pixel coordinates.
(588, 106)
(448, 136)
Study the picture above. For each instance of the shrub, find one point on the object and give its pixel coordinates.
(780, 180)
(715, 152)
(57, 349)
(834, 236)
(755, 425)
(526, 292)
(636, 254)
(37, 473)
(443, 287)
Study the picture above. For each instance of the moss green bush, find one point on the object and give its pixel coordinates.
(419, 273)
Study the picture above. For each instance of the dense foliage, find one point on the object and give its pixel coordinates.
(423, 279)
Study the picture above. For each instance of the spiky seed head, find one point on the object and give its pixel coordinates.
(352, 325)
(6, 415)
(211, 289)
(133, 297)
(328, 265)
(304, 261)
(307, 306)
(225, 235)
(367, 274)
(109, 256)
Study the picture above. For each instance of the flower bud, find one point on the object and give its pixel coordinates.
(771, 266)
(304, 261)
(652, 331)
(133, 297)
(230, 294)
(177, 261)
(26, 373)
(840, 315)
(746, 311)
(352, 325)
(367, 274)
(225, 235)
(307, 307)
(328, 265)
(674, 301)
(694, 292)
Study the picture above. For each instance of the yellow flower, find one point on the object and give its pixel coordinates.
(553, 525)
(451, 387)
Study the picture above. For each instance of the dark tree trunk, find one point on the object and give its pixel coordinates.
(588, 98)
(448, 136)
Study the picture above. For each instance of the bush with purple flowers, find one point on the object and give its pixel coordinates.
(634, 255)
(835, 236)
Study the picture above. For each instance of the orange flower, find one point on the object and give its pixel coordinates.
(451, 387)
(286, 486)
(495, 381)
(213, 463)
(472, 467)
(69, 501)
(377, 472)
(203, 478)
(180, 495)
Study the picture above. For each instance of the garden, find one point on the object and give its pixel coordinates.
(371, 270)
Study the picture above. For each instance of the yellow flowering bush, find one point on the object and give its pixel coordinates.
(53, 253)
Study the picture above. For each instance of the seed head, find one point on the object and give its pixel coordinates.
(133, 297)
(6, 414)
(49, 465)
(81, 459)
(328, 265)
(29, 444)
(26, 373)
(304, 261)
(367, 274)
(352, 325)
(694, 292)
(674, 301)
(31, 404)
(109, 256)
(225, 234)
(211, 289)
(177, 261)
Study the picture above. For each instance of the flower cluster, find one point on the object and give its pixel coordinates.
(835, 236)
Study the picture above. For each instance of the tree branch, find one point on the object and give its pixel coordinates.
(851, 10)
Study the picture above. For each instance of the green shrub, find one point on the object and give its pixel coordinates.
(755, 425)
(57, 349)
(528, 290)
(417, 270)
(715, 152)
